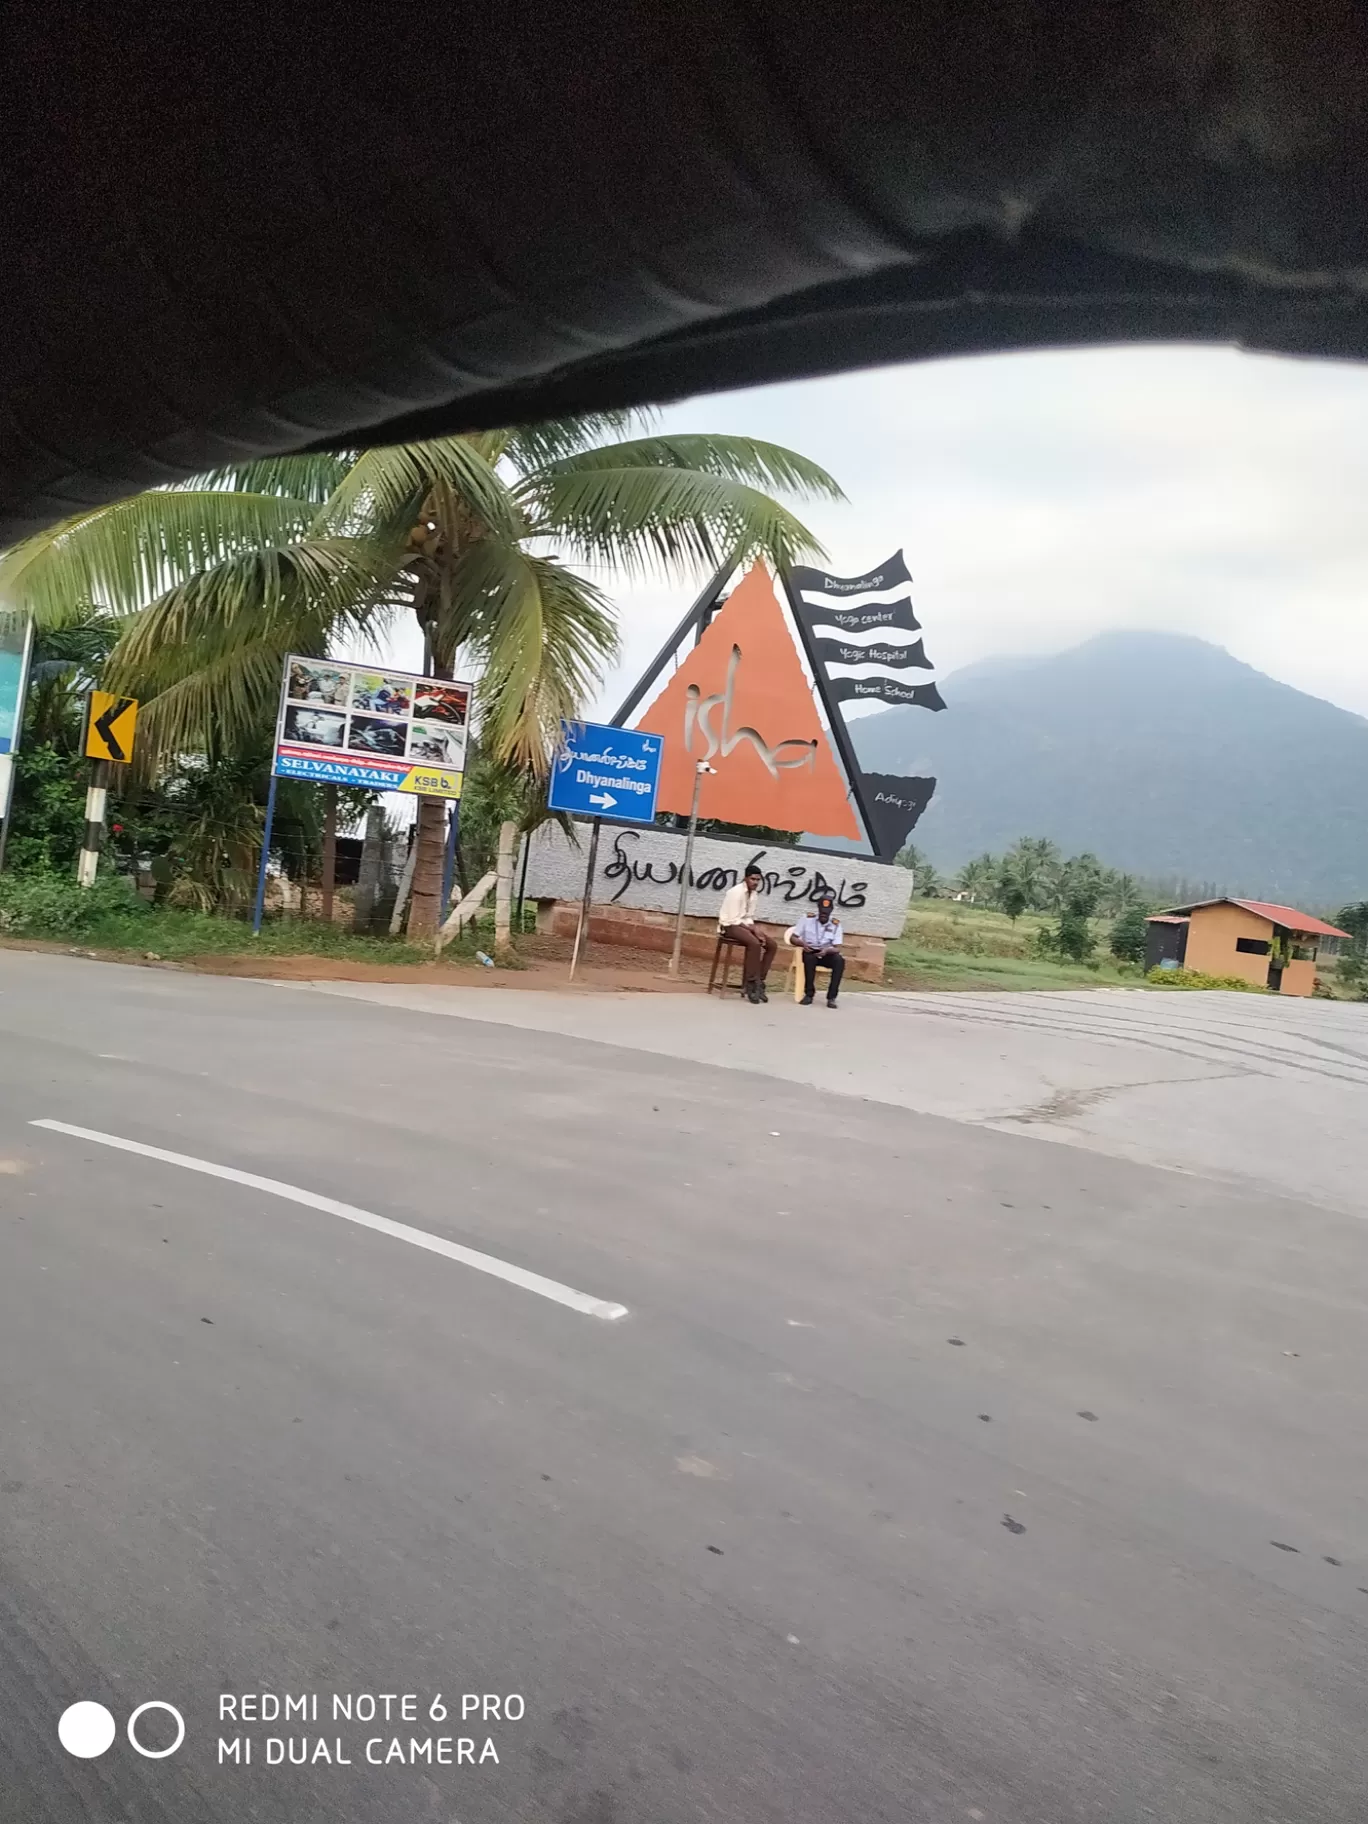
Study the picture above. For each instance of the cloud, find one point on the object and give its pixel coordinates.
(1042, 498)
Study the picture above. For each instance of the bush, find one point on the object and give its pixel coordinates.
(1074, 938)
(1193, 978)
(48, 810)
(1012, 898)
(52, 905)
(1129, 935)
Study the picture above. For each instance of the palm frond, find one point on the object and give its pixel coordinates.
(256, 595)
(121, 556)
(214, 709)
(749, 459)
(543, 635)
(533, 446)
(311, 477)
(385, 489)
(229, 628)
(80, 646)
(652, 520)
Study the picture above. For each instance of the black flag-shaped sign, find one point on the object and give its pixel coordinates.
(894, 807)
(864, 636)
(864, 643)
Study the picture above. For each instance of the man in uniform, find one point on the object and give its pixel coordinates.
(818, 936)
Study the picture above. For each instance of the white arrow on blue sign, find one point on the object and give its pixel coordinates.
(601, 771)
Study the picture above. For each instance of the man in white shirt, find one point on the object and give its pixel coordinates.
(736, 920)
(819, 936)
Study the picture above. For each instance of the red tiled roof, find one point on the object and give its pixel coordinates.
(1290, 918)
(1286, 916)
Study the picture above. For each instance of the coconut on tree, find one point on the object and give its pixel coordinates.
(490, 540)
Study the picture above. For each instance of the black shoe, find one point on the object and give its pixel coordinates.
(806, 1001)
(831, 1004)
(764, 992)
(752, 994)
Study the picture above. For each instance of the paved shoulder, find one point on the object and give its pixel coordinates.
(1206, 1083)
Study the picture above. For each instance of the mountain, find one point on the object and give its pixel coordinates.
(1162, 754)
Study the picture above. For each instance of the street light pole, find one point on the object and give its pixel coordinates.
(685, 871)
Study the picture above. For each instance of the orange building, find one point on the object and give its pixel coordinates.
(1272, 947)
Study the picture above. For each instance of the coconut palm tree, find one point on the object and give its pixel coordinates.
(976, 878)
(67, 661)
(1119, 893)
(1009, 895)
(926, 881)
(484, 538)
(1080, 880)
(1033, 862)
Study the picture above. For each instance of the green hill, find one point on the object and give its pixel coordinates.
(1161, 754)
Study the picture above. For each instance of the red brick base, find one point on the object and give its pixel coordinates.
(640, 930)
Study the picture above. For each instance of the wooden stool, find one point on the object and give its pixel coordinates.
(723, 954)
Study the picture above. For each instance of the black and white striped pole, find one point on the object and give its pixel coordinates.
(97, 793)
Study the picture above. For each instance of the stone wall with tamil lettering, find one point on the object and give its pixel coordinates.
(639, 870)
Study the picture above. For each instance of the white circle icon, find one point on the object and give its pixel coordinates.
(85, 1730)
(157, 1754)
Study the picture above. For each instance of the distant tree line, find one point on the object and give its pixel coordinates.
(1036, 876)
(1033, 876)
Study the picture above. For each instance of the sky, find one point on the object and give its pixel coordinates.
(1043, 498)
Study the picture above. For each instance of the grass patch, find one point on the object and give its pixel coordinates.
(960, 930)
(110, 916)
(954, 947)
(963, 930)
(908, 966)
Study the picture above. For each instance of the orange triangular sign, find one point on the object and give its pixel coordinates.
(741, 702)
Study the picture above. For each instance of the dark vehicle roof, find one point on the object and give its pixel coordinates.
(238, 230)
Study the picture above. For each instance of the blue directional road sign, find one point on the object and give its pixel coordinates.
(606, 772)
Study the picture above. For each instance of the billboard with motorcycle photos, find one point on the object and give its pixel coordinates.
(342, 723)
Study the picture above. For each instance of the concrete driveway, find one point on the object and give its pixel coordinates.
(1245, 1088)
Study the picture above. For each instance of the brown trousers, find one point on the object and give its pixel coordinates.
(759, 952)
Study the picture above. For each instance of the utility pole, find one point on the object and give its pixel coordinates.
(686, 872)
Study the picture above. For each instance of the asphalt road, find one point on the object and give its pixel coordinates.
(934, 1473)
